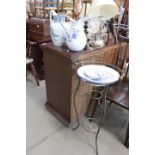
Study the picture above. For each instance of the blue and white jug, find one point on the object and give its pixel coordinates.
(70, 32)
(58, 28)
(76, 38)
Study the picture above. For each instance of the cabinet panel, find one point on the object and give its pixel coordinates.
(58, 85)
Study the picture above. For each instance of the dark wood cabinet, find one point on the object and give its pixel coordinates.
(37, 31)
(61, 78)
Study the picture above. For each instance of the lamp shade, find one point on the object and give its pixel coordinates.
(103, 8)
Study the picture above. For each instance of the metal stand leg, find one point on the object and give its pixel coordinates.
(95, 100)
(103, 110)
(75, 108)
(94, 109)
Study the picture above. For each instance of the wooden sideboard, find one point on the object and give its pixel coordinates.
(61, 78)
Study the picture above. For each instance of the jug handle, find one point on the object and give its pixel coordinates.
(63, 26)
(52, 12)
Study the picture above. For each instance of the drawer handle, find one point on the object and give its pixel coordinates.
(38, 26)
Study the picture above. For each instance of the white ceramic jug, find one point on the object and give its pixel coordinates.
(76, 38)
(58, 28)
(70, 32)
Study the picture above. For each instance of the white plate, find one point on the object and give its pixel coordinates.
(98, 74)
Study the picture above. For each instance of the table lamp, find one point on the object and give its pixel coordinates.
(99, 13)
(105, 9)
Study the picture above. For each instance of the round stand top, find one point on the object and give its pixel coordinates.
(98, 75)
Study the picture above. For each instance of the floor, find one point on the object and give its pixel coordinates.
(48, 136)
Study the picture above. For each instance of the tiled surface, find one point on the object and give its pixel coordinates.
(48, 136)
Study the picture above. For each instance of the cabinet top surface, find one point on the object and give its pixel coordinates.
(65, 52)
